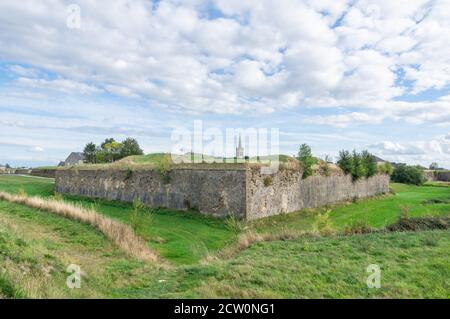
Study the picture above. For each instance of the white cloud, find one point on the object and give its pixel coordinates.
(37, 149)
(355, 58)
(260, 56)
(436, 149)
(62, 85)
(345, 120)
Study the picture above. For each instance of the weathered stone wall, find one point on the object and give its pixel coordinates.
(443, 176)
(44, 172)
(23, 171)
(286, 191)
(216, 192)
(219, 192)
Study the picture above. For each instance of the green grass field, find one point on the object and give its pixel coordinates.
(41, 245)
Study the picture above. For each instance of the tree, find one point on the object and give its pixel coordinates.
(89, 153)
(434, 166)
(345, 162)
(7, 165)
(369, 163)
(358, 168)
(111, 151)
(107, 141)
(408, 175)
(130, 147)
(306, 160)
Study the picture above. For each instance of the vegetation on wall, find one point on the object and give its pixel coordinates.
(357, 164)
(385, 168)
(306, 159)
(110, 151)
(408, 175)
(163, 168)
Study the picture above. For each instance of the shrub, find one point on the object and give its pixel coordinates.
(137, 215)
(58, 196)
(22, 192)
(130, 147)
(345, 161)
(128, 173)
(357, 164)
(358, 168)
(408, 175)
(404, 212)
(385, 168)
(420, 224)
(369, 163)
(89, 153)
(324, 166)
(235, 224)
(359, 226)
(163, 167)
(323, 224)
(306, 160)
(268, 181)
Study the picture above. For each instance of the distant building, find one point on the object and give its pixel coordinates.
(379, 160)
(240, 149)
(75, 158)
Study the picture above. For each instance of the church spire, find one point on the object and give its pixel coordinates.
(240, 149)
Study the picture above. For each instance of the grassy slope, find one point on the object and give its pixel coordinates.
(36, 247)
(181, 237)
(412, 265)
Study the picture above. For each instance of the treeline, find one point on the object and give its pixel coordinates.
(408, 174)
(361, 164)
(356, 164)
(110, 150)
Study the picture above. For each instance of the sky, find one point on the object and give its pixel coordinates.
(335, 74)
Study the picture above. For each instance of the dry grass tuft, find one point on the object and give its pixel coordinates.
(251, 237)
(120, 234)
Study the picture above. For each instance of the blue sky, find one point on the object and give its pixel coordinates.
(334, 74)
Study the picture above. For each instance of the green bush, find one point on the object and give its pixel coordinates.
(128, 173)
(345, 161)
(358, 168)
(163, 168)
(235, 224)
(357, 164)
(369, 163)
(323, 224)
(306, 160)
(130, 147)
(385, 168)
(138, 215)
(268, 181)
(358, 226)
(110, 151)
(408, 175)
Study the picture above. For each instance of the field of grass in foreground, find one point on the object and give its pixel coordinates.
(187, 237)
(36, 247)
